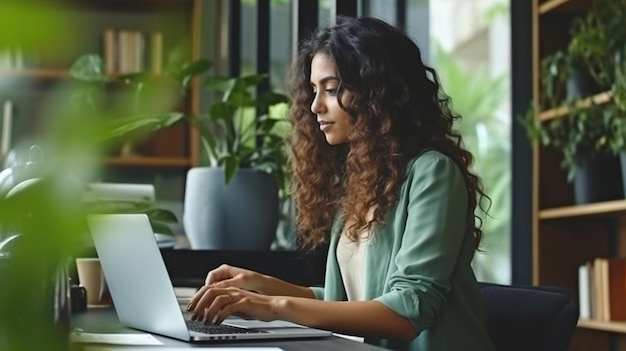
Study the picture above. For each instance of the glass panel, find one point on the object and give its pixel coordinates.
(281, 43)
(248, 36)
(473, 60)
(468, 42)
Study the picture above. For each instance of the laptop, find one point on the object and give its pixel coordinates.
(143, 294)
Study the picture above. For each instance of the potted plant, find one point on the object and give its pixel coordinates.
(243, 139)
(599, 38)
(565, 76)
(234, 201)
(586, 140)
(588, 136)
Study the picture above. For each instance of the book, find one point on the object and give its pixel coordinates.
(598, 295)
(110, 51)
(124, 52)
(592, 292)
(156, 53)
(615, 272)
(130, 51)
(7, 128)
(609, 289)
(584, 290)
(138, 51)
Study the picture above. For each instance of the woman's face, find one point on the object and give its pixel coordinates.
(334, 121)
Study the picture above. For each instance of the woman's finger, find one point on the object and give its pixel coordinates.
(222, 272)
(196, 297)
(216, 312)
(229, 307)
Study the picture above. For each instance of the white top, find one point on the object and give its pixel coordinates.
(351, 258)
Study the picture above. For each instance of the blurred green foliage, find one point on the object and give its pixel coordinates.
(37, 26)
(48, 212)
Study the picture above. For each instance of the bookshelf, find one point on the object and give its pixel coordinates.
(156, 27)
(566, 235)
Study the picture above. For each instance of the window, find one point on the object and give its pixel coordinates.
(472, 58)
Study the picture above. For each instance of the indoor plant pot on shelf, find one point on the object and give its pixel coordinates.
(588, 136)
(599, 39)
(234, 201)
(585, 140)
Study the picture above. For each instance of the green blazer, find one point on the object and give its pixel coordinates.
(418, 263)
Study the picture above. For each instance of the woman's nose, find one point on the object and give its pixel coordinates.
(316, 105)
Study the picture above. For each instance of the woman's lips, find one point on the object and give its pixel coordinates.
(324, 125)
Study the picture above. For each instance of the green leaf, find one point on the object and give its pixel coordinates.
(89, 67)
(245, 82)
(121, 127)
(240, 98)
(162, 215)
(272, 98)
(220, 111)
(222, 84)
(190, 70)
(231, 166)
(196, 67)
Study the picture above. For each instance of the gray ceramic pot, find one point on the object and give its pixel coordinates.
(240, 216)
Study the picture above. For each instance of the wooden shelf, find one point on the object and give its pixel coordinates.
(551, 6)
(566, 235)
(38, 73)
(169, 162)
(595, 209)
(561, 112)
(610, 326)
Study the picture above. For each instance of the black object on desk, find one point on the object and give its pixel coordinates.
(190, 267)
(105, 321)
(78, 298)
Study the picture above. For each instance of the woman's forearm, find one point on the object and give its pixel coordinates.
(361, 318)
(272, 286)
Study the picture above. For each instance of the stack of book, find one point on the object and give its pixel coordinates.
(602, 289)
(125, 51)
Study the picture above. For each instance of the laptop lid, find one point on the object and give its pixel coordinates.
(141, 289)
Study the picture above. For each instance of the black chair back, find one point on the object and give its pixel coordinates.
(538, 318)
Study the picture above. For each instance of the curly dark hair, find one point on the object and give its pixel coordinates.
(398, 110)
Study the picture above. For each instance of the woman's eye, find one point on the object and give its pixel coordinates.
(331, 91)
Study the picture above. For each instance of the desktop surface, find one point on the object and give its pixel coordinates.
(104, 320)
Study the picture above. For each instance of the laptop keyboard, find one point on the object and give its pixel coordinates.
(200, 327)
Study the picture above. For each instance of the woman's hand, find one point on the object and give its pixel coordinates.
(228, 276)
(213, 304)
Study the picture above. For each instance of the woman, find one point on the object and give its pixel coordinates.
(378, 166)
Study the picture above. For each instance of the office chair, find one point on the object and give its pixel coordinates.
(539, 318)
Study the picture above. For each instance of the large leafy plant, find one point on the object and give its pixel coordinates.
(598, 38)
(597, 43)
(143, 103)
(555, 69)
(587, 131)
(241, 129)
(146, 100)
